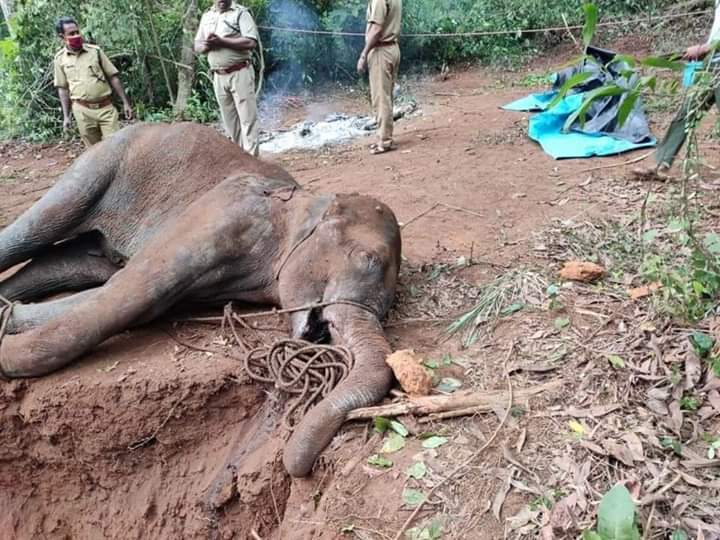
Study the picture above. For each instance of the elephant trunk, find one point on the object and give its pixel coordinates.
(368, 382)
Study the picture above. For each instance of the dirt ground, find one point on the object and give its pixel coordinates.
(139, 439)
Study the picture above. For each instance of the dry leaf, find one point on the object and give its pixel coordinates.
(561, 516)
(675, 420)
(658, 407)
(645, 290)
(635, 446)
(714, 399)
(693, 371)
(582, 271)
(593, 412)
(500, 498)
(593, 447)
(619, 451)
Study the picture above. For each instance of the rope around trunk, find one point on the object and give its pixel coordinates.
(306, 371)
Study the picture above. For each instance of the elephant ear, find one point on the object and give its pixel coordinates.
(303, 226)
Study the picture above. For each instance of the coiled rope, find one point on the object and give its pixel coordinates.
(306, 372)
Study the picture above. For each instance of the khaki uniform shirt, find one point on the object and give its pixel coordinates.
(235, 22)
(386, 14)
(85, 73)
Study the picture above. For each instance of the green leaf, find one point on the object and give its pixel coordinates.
(591, 19)
(512, 308)
(702, 343)
(561, 322)
(434, 442)
(591, 535)
(381, 424)
(552, 290)
(398, 428)
(627, 107)
(571, 83)
(413, 497)
(448, 385)
(417, 470)
(679, 534)
(431, 364)
(379, 461)
(662, 63)
(616, 361)
(649, 236)
(590, 97)
(616, 515)
(393, 443)
(672, 443)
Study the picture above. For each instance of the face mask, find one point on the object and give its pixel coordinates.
(75, 42)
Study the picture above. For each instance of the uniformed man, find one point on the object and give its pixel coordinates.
(227, 34)
(85, 79)
(382, 56)
(676, 133)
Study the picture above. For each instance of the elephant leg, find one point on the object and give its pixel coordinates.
(69, 266)
(25, 317)
(208, 234)
(58, 212)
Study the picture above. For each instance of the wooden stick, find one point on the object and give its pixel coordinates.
(611, 165)
(468, 402)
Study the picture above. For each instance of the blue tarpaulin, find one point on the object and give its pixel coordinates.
(599, 134)
(546, 128)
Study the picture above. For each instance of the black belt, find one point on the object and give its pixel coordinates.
(104, 102)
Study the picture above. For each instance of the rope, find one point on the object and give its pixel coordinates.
(299, 368)
(489, 32)
(307, 371)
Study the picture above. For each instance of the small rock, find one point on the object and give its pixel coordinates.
(582, 271)
(410, 372)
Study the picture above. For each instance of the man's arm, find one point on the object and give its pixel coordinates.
(120, 91)
(234, 43)
(201, 47)
(372, 38)
(64, 96)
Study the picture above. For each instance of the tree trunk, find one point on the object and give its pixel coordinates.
(186, 75)
(8, 8)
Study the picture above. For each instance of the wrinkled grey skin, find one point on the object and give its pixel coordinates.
(159, 214)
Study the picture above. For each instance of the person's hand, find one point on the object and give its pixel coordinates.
(695, 52)
(127, 109)
(214, 41)
(362, 63)
(67, 122)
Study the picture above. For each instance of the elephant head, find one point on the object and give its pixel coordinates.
(349, 250)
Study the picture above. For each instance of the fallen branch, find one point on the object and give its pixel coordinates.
(612, 165)
(461, 403)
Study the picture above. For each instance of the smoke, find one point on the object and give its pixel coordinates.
(290, 52)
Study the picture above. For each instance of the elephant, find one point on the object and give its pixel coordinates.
(159, 214)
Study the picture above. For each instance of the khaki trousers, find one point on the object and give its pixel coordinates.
(235, 93)
(95, 124)
(383, 63)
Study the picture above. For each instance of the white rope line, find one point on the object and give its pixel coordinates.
(488, 32)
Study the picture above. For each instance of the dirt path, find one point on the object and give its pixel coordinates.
(133, 442)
